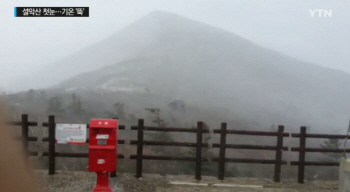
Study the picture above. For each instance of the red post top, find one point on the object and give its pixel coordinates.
(103, 132)
(103, 123)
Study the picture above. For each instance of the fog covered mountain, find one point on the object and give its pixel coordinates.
(167, 54)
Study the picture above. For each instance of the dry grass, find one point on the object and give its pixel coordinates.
(67, 181)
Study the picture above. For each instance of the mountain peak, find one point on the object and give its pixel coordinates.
(161, 12)
(166, 19)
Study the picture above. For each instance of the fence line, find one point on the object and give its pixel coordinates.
(141, 142)
(223, 146)
(25, 138)
(302, 149)
(198, 145)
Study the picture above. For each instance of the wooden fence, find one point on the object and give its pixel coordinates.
(198, 145)
(52, 154)
(302, 149)
(278, 148)
(140, 142)
(25, 138)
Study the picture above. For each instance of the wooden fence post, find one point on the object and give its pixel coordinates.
(301, 166)
(139, 154)
(25, 129)
(52, 143)
(114, 173)
(279, 149)
(222, 152)
(199, 151)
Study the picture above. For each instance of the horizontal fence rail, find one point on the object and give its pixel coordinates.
(255, 147)
(321, 136)
(76, 155)
(170, 129)
(167, 143)
(255, 133)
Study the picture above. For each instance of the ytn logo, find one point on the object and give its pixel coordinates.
(320, 12)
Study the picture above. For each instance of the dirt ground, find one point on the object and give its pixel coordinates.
(66, 181)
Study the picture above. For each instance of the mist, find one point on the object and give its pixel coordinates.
(174, 57)
(252, 64)
(30, 45)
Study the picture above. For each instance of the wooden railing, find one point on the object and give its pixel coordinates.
(223, 146)
(302, 149)
(25, 138)
(198, 144)
(140, 142)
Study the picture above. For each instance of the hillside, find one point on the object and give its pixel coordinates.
(173, 56)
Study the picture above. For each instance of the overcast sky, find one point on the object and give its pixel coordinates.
(28, 44)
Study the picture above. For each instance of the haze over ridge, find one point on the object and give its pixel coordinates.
(179, 57)
(122, 45)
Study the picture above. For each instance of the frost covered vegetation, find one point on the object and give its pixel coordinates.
(81, 106)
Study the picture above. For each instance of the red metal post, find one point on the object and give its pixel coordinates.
(102, 184)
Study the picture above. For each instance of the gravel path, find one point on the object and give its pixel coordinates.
(67, 181)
